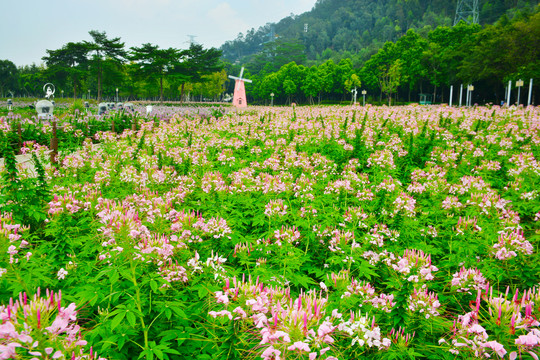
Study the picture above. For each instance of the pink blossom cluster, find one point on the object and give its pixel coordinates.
(468, 280)
(11, 235)
(467, 224)
(365, 292)
(285, 326)
(357, 216)
(425, 303)
(509, 244)
(67, 203)
(288, 234)
(451, 203)
(516, 317)
(415, 266)
(340, 238)
(379, 233)
(383, 159)
(294, 326)
(405, 204)
(275, 208)
(41, 328)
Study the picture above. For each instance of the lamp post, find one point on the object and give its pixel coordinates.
(470, 89)
(519, 84)
(88, 93)
(272, 101)
(364, 92)
(116, 94)
(509, 92)
(62, 94)
(530, 92)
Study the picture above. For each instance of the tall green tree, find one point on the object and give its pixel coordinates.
(410, 48)
(447, 48)
(195, 63)
(8, 76)
(390, 78)
(69, 62)
(106, 54)
(312, 85)
(154, 63)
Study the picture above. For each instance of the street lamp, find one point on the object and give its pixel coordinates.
(272, 101)
(364, 92)
(519, 84)
(89, 93)
(470, 89)
(62, 94)
(116, 94)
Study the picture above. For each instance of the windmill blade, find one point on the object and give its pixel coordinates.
(246, 80)
(234, 77)
(241, 72)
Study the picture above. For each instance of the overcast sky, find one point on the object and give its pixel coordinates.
(29, 27)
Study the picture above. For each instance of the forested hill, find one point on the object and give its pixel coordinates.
(357, 28)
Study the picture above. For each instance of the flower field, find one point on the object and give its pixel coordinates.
(274, 233)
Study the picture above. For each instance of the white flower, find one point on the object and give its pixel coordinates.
(61, 274)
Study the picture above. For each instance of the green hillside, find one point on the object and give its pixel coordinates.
(356, 28)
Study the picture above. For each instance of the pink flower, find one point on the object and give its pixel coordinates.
(69, 313)
(271, 353)
(8, 351)
(215, 314)
(323, 331)
(528, 340)
(238, 310)
(299, 345)
(222, 298)
(495, 346)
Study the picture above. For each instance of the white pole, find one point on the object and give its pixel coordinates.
(451, 94)
(530, 92)
(460, 94)
(509, 92)
(467, 99)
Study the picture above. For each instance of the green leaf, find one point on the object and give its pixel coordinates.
(154, 285)
(131, 318)
(202, 292)
(117, 319)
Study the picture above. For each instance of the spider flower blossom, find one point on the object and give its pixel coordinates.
(41, 326)
(424, 302)
(466, 280)
(275, 208)
(415, 265)
(510, 244)
(515, 315)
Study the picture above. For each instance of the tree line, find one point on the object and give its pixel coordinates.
(98, 67)
(417, 62)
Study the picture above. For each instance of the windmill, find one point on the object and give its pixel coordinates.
(239, 97)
